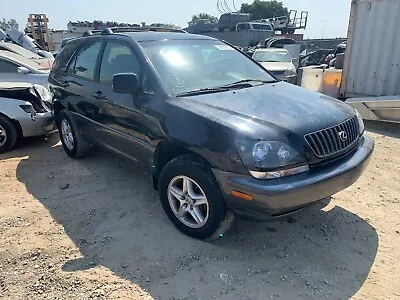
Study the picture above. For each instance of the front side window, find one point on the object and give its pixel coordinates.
(118, 58)
(187, 65)
(84, 63)
(8, 67)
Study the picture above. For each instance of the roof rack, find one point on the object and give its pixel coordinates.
(91, 32)
(140, 29)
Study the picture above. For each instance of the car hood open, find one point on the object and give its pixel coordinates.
(281, 106)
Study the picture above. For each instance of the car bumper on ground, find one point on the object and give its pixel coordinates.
(279, 197)
(42, 124)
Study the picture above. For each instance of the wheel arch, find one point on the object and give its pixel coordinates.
(17, 125)
(167, 151)
(58, 106)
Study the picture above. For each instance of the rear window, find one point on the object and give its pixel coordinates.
(265, 27)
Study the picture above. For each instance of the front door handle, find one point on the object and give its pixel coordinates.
(99, 95)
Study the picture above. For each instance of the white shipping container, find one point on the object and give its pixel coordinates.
(372, 59)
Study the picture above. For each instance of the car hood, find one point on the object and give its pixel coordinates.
(278, 110)
(277, 66)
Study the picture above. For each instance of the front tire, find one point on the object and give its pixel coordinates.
(8, 134)
(73, 143)
(191, 198)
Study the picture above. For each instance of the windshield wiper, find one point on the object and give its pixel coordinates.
(247, 83)
(203, 91)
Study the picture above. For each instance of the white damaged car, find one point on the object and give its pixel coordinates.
(24, 112)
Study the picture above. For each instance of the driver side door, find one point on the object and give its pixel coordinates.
(122, 118)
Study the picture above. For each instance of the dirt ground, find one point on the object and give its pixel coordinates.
(94, 229)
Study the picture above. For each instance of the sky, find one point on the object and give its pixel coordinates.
(327, 18)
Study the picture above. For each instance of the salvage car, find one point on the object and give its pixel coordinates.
(216, 131)
(24, 112)
(17, 68)
(278, 62)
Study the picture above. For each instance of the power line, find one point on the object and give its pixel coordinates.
(227, 6)
(234, 6)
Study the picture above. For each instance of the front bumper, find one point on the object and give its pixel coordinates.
(277, 197)
(42, 124)
(289, 79)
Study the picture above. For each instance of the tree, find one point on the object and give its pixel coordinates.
(264, 9)
(203, 16)
(172, 26)
(5, 25)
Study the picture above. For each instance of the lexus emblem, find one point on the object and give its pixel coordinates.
(343, 136)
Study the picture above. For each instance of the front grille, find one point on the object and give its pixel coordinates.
(334, 140)
(277, 73)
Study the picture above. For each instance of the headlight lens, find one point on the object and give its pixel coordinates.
(290, 72)
(270, 159)
(360, 122)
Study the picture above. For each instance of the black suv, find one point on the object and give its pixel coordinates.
(216, 130)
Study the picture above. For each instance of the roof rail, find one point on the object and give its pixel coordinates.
(91, 32)
(140, 29)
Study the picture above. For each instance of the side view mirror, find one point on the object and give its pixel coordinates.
(294, 60)
(23, 70)
(125, 83)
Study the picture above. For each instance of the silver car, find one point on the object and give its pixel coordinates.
(278, 62)
(17, 68)
(24, 112)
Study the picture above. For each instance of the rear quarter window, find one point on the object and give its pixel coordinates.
(63, 58)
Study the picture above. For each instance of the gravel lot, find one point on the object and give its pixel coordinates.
(94, 229)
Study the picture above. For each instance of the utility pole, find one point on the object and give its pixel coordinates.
(323, 27)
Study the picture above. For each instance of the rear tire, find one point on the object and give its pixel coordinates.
(201, 218)
(74, 145)
(8, 134)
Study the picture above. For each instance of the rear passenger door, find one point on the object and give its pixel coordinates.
(80, 85)
(121, 116)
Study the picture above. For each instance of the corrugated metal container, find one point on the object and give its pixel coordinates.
(372, 59)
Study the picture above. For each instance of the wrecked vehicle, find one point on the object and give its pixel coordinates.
(277, 61)
(17, 68)
(216, 131)
(24, 112)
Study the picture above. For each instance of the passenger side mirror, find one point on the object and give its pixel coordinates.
(23, 70)
(125, 83)
(294, 60)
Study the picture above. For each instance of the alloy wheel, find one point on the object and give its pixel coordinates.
(188, 201)
(67, 135)
(3, 136)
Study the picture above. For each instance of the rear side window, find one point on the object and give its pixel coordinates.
(84, 62)
(118, 58)
(8, 67)
(63, 58)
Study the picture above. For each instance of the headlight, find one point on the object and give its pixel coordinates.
(270, 159)
(290, 72)
(360, 122)
(28, 108)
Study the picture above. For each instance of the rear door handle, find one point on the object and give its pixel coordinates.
(99, 95)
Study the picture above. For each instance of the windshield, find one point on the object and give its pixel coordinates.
(187, 65)
(272, 56)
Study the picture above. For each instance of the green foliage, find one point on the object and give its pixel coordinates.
(264, 9)
(5, 25)
(203, 16)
